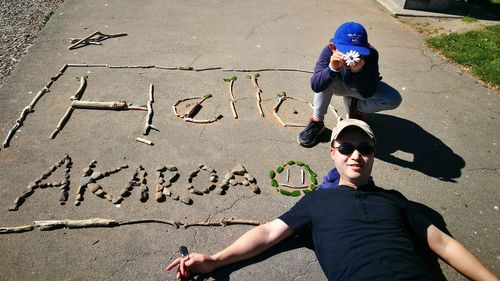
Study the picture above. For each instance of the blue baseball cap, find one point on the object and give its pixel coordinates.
(351, 36)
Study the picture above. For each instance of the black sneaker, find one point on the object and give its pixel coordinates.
(308, 136)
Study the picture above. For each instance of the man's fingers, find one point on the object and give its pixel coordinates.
(173, 264)
(182, 266)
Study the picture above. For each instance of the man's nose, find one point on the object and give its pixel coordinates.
(355, 154)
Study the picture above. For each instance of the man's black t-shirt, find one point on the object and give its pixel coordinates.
(362, 234)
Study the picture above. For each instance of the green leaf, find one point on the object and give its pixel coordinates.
(272, 174)
(284, 192)
(274, 183)
(282, 94)
(280, 169)
(290, 162)
(313, 180)
(295, 193)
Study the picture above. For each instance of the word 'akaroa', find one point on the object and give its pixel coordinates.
(91, 177)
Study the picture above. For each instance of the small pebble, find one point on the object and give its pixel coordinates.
(13, 208)
(85, 181)
(160, 197)
(161, 168)
(167, 192)
(172, 169)
(245, 182)
(233, 182)
(255, 188)
(239, 170)
(249, 177)
(93, 187)
(186, 200)
(144, 196)
(96, 175)
(229, 176)
(46, 174)
(86, 171)
(100, 193)
(116, 200)
(189, 186)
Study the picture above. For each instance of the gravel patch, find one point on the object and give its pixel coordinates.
(20, 24)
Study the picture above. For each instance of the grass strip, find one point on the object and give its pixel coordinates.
(477, 50)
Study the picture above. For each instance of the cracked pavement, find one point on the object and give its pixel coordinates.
(442, 141)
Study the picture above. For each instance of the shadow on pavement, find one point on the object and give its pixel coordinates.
(303, 239)
(430, 155)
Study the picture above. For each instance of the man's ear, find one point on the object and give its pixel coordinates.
(332, 46)
(332, 152)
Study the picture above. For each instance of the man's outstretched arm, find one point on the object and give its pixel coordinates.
(457, 256)
(250, 244)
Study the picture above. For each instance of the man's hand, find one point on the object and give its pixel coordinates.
(195, 262)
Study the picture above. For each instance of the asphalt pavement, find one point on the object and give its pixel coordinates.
(439, 148)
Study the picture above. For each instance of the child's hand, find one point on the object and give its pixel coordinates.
(337, 60)
(357, 66)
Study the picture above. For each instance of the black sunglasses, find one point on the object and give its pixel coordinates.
(348, 149)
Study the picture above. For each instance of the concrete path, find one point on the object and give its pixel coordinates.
(440, 147)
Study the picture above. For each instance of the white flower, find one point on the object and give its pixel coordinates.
(351, 58)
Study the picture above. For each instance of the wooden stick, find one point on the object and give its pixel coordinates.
(292, 186)
(231, 90)
(202, 121)
(94, 222)
(16, 229)
(223, 222)
(279, 119)
(151, 90)
(83, 85)
(294, 125)
(63, 68)
(268, 69)
(19, 123)
(144, 141)
(110, 105)
(149, 118)
(62, 122)
(233, 109)
(45, 225)
(101, 37)
(253, 77)
(37, 97)
(259, 106)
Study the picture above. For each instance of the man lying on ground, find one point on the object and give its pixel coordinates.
(360, 231)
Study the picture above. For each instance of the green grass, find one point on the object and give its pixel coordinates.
(469, 19)
(477, 50)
